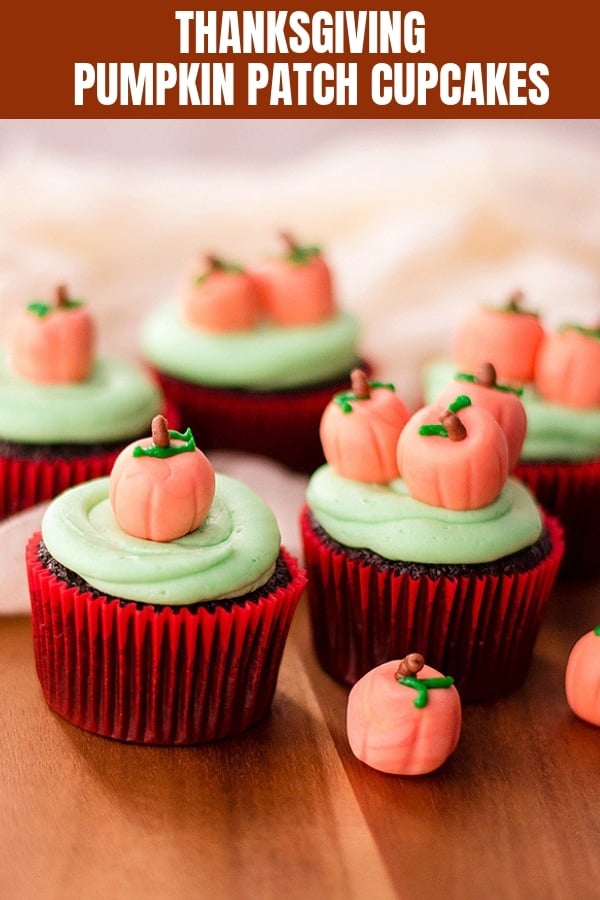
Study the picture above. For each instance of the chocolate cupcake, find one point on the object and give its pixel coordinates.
(161, 599)
(453, 559)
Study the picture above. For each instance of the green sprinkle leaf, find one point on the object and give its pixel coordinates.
(171, 450)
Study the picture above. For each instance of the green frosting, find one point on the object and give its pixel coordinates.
(232, 553)
(117, 402)
(554, 432)
(265, 358)
(388, 521)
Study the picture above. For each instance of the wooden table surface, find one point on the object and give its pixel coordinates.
(286, 811)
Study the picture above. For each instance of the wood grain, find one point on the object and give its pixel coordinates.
(286, 811)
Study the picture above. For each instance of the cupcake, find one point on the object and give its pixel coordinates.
(161, 598)
(252, 356)
(64, 413)
(454, 559)
(558, 374)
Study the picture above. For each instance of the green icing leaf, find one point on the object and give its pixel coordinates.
(597, 630)
(302, 253)
(220, 265)
(466, 376)
(423, 685)
(586, 332)
(41, 309)
(347, 398)
(461, 402)
(166, 452)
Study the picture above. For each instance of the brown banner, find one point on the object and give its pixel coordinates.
(131, 59)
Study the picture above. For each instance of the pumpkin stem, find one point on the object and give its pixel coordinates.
(160, 432)
(455, 428)
(486, 375)
(213, 262)
(288, 240)
(360, 384)
(410, 665)
(60, 295)
(514, 302)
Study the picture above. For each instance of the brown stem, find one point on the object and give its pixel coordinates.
(410, 665)
(288, 240)
(213, 262)
(60, 295)
(360, 384)
(455, 428)
(486, 375)
(514, 301)
(160, 432)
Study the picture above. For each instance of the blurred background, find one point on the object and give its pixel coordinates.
(420, 220)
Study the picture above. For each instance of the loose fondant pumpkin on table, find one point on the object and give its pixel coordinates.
(162, 487)
(456, 458)
(223, 298)
(582, 677)
(403, 717)
(296, 288)
(360, 429)
(507, 336)
(53, 342)
(502, 401)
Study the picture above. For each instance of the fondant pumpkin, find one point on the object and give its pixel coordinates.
(360, 430)
(501, 400)
(162, 487)
(568, 367)
(455, 458)
(223, 298)
(53, 343)
(582, 677)
(297, 288)
(403, 717)
(509, 337)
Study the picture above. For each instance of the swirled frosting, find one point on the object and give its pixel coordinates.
(116, 402)
(231, 554)
(266, 358)
(388, 521)
(554, 432)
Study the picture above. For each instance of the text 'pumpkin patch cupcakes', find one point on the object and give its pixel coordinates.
(161, 598)
(252, 356)
(64, 412)
(452, 560)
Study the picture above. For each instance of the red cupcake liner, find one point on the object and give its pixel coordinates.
(570, 491)
(283, 425)
(480, 629)
(157, 675)
(25, 482)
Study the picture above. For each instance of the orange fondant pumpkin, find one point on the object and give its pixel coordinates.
(568, 368)
(223, 298)
(508, 337)
(403, 718)
(360, 430)
(296, 289)
(53, 342)
(502, 401)
(582, 677)
(162, 487)
(455, 458)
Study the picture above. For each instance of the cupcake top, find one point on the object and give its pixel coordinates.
(452, 503)
(561, 400)
(164, 529)
(53, 388)
(273, 325)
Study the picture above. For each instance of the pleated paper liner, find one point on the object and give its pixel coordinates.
(26, 480)
(480, 629)
(571, 492)
(158, 675)
(283, 425)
